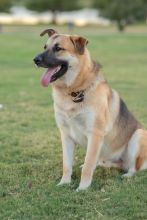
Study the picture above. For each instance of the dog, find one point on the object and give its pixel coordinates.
(88, 111)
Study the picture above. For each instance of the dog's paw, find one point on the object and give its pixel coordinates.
(64, 181)
(81, 166)
(83, 185)
(127, 175)
(77, 190)
(80, 188)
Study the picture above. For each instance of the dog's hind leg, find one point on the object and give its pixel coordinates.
(107, 164)
(130, 160)
(115, 164)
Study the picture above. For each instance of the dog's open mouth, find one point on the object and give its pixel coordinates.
(48, 76)
(52, 74)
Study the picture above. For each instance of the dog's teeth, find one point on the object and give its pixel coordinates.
(58, 69)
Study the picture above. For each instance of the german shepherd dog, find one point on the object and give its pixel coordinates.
(88, 112)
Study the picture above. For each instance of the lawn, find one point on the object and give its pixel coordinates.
(30, 146)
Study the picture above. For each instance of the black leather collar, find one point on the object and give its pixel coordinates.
(77, 96)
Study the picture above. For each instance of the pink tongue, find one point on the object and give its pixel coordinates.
(46, 78)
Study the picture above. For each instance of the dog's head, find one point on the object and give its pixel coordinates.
(61, 57)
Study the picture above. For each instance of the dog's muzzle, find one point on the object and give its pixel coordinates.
(55, 67)
(38, 60)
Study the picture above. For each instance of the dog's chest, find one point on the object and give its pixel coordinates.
(77, 123)
(79, 128)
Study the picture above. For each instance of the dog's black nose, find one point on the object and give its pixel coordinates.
(38, 60)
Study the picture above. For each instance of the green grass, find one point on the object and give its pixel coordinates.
(30, 146)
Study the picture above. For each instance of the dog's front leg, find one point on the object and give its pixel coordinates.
(95, 142)
(68, 146)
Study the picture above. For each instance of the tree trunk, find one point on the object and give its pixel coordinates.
(1, 28)
(121, 25)
(54, 17)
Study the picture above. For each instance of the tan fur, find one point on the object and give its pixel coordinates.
(102, 120)
(142, 154)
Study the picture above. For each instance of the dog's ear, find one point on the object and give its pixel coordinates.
(79, 43)
(50, 32)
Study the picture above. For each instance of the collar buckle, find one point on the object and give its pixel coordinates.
(77, 96)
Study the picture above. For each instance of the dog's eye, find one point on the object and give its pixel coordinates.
(57, 48)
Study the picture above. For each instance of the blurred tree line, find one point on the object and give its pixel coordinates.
(53, 5)
(5, 5)
(123, 12)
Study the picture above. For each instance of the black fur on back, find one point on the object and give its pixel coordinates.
(126, 122)
(125, 117)
(123, 112)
